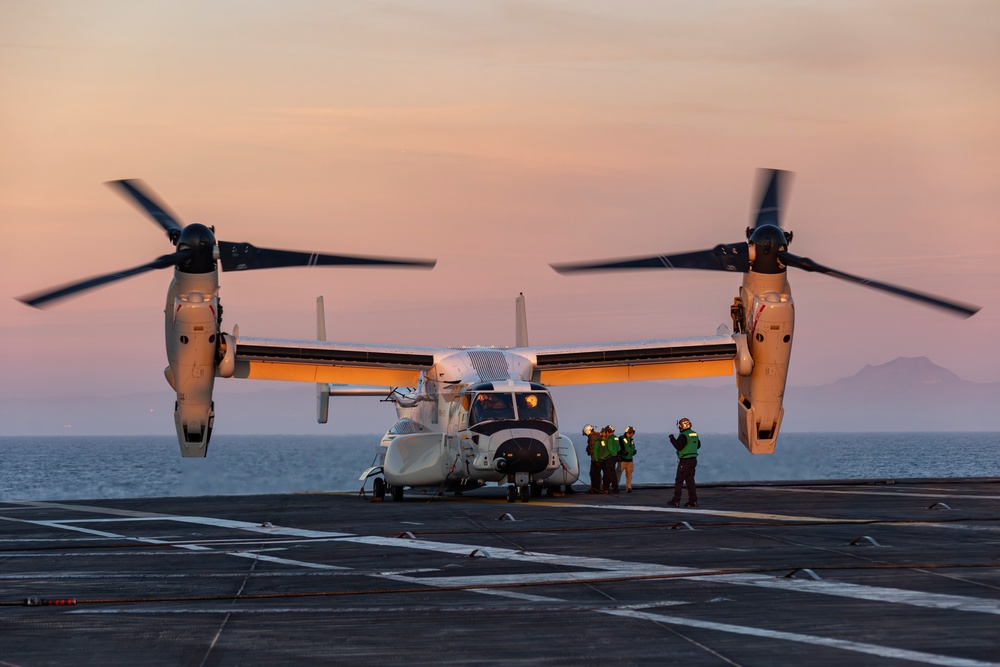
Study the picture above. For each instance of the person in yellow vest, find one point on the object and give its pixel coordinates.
(687, 445)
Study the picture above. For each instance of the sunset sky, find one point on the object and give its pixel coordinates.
(497, 137)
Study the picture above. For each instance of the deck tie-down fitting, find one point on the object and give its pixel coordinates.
(803, 573)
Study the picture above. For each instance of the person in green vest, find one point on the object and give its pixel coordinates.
(625, 455)
(687, 445)
(606, 451)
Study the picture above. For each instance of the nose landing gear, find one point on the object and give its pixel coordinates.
(519, 487)
(522, 493)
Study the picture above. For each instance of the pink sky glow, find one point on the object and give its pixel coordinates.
(497, 137)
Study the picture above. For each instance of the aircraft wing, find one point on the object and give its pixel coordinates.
(632, 361)
(331, 362)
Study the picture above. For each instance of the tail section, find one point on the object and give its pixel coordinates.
(324, 391)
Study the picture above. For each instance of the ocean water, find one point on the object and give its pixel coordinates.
(76, 468)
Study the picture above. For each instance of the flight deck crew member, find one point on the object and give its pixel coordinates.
(607, 451)
(687, 445)
(595, 467)
(625, 455)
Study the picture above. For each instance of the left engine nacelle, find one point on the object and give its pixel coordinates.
(193, 370)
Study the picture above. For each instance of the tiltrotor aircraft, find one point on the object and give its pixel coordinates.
(472, 416)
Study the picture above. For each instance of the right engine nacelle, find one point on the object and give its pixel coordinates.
(770, 321)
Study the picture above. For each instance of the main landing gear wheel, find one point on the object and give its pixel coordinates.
(397, 493)
(511, 493)
(525, 493)
(378, 488)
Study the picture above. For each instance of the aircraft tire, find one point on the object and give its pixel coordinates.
(511, 493)
(378, 488)
(397, 493)
(525, 493)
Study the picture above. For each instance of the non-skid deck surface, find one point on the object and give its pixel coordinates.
(775, 574)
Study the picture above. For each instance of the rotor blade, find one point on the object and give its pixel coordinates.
(806, 264)
(770, 186)
(729, 257)
(41, 299)
(247, 257)
(139, 193)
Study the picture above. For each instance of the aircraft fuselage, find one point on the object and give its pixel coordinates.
(481, 421)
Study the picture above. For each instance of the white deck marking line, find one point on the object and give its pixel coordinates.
(154, 516)
(101, 533)
(888, 492)
(284, 561)
(527, 597)
(584, 562)
(254, 555)
(812, 640)
(695, 511)
(861, 592)
(609, 566)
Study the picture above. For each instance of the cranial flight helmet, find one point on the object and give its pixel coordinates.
(684, 423)
(588, 429)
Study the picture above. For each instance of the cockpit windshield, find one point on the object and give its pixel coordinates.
(490, 406)
(534, 405)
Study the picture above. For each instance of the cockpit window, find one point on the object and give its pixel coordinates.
(534, 405)
(489, 406)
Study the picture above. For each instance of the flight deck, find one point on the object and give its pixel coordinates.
(877, 572)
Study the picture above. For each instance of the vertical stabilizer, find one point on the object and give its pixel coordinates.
(521, 326)
(320, 319)
(322, 388)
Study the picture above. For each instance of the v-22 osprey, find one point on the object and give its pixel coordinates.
(473, 416)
